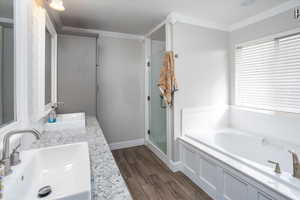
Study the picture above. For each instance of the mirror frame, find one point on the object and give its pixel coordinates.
(41, 21)
(50, 27)
(21, 54)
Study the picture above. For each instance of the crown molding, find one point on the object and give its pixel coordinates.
(265, 15)
(69, 29)
(155, 28)
(176, 17)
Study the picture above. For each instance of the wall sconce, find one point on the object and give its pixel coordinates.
(56, 4)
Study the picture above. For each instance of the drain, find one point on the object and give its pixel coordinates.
(44, 191)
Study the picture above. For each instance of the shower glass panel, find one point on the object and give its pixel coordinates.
(157, 107)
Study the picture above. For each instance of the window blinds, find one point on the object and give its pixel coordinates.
(267, 75)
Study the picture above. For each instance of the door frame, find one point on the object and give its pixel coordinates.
(166, 158)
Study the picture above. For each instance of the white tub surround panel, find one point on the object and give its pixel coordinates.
(225, 178)
(205, 118)
(278, 125)
(232, 165)
(253, 151)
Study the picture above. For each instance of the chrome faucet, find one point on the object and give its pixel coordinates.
(6, 161)
(296, 165)
(277, 169)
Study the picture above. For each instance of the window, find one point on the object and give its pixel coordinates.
(267, 74)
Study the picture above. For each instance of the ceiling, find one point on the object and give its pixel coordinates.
(139, 16)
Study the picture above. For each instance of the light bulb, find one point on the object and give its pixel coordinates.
(57, 5)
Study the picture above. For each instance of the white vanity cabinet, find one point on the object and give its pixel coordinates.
(219, 180)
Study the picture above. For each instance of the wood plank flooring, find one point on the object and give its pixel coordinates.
(148, 178)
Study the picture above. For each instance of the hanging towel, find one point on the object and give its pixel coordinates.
(167, 81)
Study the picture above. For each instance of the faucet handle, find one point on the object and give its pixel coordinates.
(277, 169)
(295, 157)
(290, 151)
(58, 104)
(16, 148)
(15, 156)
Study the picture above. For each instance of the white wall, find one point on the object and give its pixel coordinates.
(1, 60)
(30, 43)
(76, 74)
(121, 89)
(201, 69)
(282, 126)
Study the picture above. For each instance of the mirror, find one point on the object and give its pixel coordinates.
(48, 67)
(7, 62)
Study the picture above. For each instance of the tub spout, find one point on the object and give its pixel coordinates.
(277, 166)
(296, 165)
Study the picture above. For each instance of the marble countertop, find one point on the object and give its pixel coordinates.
(106, 180)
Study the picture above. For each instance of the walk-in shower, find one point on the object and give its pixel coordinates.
(157, 106)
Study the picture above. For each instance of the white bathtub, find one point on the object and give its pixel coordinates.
(253, 152)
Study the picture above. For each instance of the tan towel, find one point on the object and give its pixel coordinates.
(167, 81)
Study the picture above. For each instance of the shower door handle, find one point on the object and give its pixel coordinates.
(162, 103)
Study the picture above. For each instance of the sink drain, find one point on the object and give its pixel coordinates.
(44, 191)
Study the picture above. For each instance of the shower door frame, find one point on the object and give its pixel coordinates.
(166, 158)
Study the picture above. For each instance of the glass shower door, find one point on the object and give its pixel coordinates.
(157, 107)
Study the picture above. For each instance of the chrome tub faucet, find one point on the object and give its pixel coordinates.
(296, 165)
(6, 160)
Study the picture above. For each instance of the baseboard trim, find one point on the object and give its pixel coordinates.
(173, 166)
(163, 157)
(126, 144)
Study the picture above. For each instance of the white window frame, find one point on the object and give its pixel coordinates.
(254, 42)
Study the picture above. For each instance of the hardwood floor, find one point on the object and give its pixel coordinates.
(148, 178)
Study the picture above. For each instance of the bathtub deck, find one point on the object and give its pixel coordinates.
(149, 179)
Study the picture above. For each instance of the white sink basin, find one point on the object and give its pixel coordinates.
(65, 168)
(67, 121)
